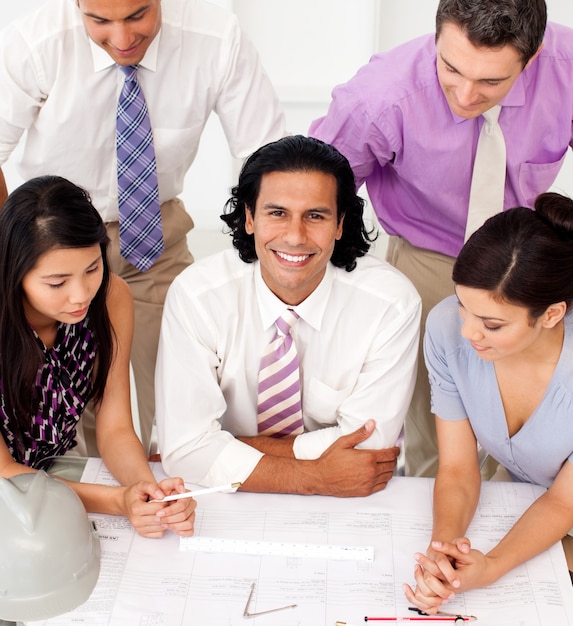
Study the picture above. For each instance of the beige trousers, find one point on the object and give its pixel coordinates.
(431, 274)
(149, 290)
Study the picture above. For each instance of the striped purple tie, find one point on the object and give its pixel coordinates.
(279, 407)
(140, 234)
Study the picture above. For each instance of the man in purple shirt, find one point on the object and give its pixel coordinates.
(409, 122)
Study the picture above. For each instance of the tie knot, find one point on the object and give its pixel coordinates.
(286, 321)
(129, 71)
(491, 115)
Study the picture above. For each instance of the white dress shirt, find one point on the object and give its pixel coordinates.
(356, 338)
(63, 89)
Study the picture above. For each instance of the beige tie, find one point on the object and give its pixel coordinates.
(488, 179)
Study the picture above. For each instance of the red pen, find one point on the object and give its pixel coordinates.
(426, 618)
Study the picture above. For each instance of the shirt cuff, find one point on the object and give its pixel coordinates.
(234, 464)
(311, 445)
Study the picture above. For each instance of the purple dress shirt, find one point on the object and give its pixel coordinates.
(394, 125)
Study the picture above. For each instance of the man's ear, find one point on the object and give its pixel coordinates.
(249, 221)
(340, 228)
(533, 57)
(553, 314)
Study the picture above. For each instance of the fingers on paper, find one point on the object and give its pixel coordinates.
(422, 596)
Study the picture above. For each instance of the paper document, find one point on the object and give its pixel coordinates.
(151, 582)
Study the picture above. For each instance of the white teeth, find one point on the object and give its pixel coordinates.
(293, 259)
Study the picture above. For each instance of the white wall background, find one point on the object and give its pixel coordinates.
(307, 47)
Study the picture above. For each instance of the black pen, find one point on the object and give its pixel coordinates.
(466, 618)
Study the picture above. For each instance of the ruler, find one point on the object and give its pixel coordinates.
(277, 548)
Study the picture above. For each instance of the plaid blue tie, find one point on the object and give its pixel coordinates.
(140, 234)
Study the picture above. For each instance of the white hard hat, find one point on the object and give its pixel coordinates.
(50, 552)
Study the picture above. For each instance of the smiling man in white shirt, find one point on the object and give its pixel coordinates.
(300, 244)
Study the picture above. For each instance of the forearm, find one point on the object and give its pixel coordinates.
(456, 497)
(275, 446)
(95, 498)
(100, 498)
(278, 474)
(125, 458)
(340, 471)
(544, 523)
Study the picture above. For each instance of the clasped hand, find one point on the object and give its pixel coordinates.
(447, 568)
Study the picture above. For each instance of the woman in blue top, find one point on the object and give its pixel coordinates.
(66, 325)
(500, 358)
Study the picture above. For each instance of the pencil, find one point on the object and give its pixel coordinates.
(198, 492)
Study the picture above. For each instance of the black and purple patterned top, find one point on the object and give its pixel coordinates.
(63, 384)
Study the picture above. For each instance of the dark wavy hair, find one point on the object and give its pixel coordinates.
(497, 23)
(43, 214)
(522, 256)
(300, 154)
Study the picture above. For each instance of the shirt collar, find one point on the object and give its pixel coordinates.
(310, 310)
(102, 60)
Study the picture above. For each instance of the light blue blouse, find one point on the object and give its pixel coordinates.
(464, 386)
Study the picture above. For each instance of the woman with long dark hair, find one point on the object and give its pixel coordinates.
(500, 359)
(66, 325)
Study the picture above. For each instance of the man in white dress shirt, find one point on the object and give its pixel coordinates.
(60, 83)
(301, 244)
